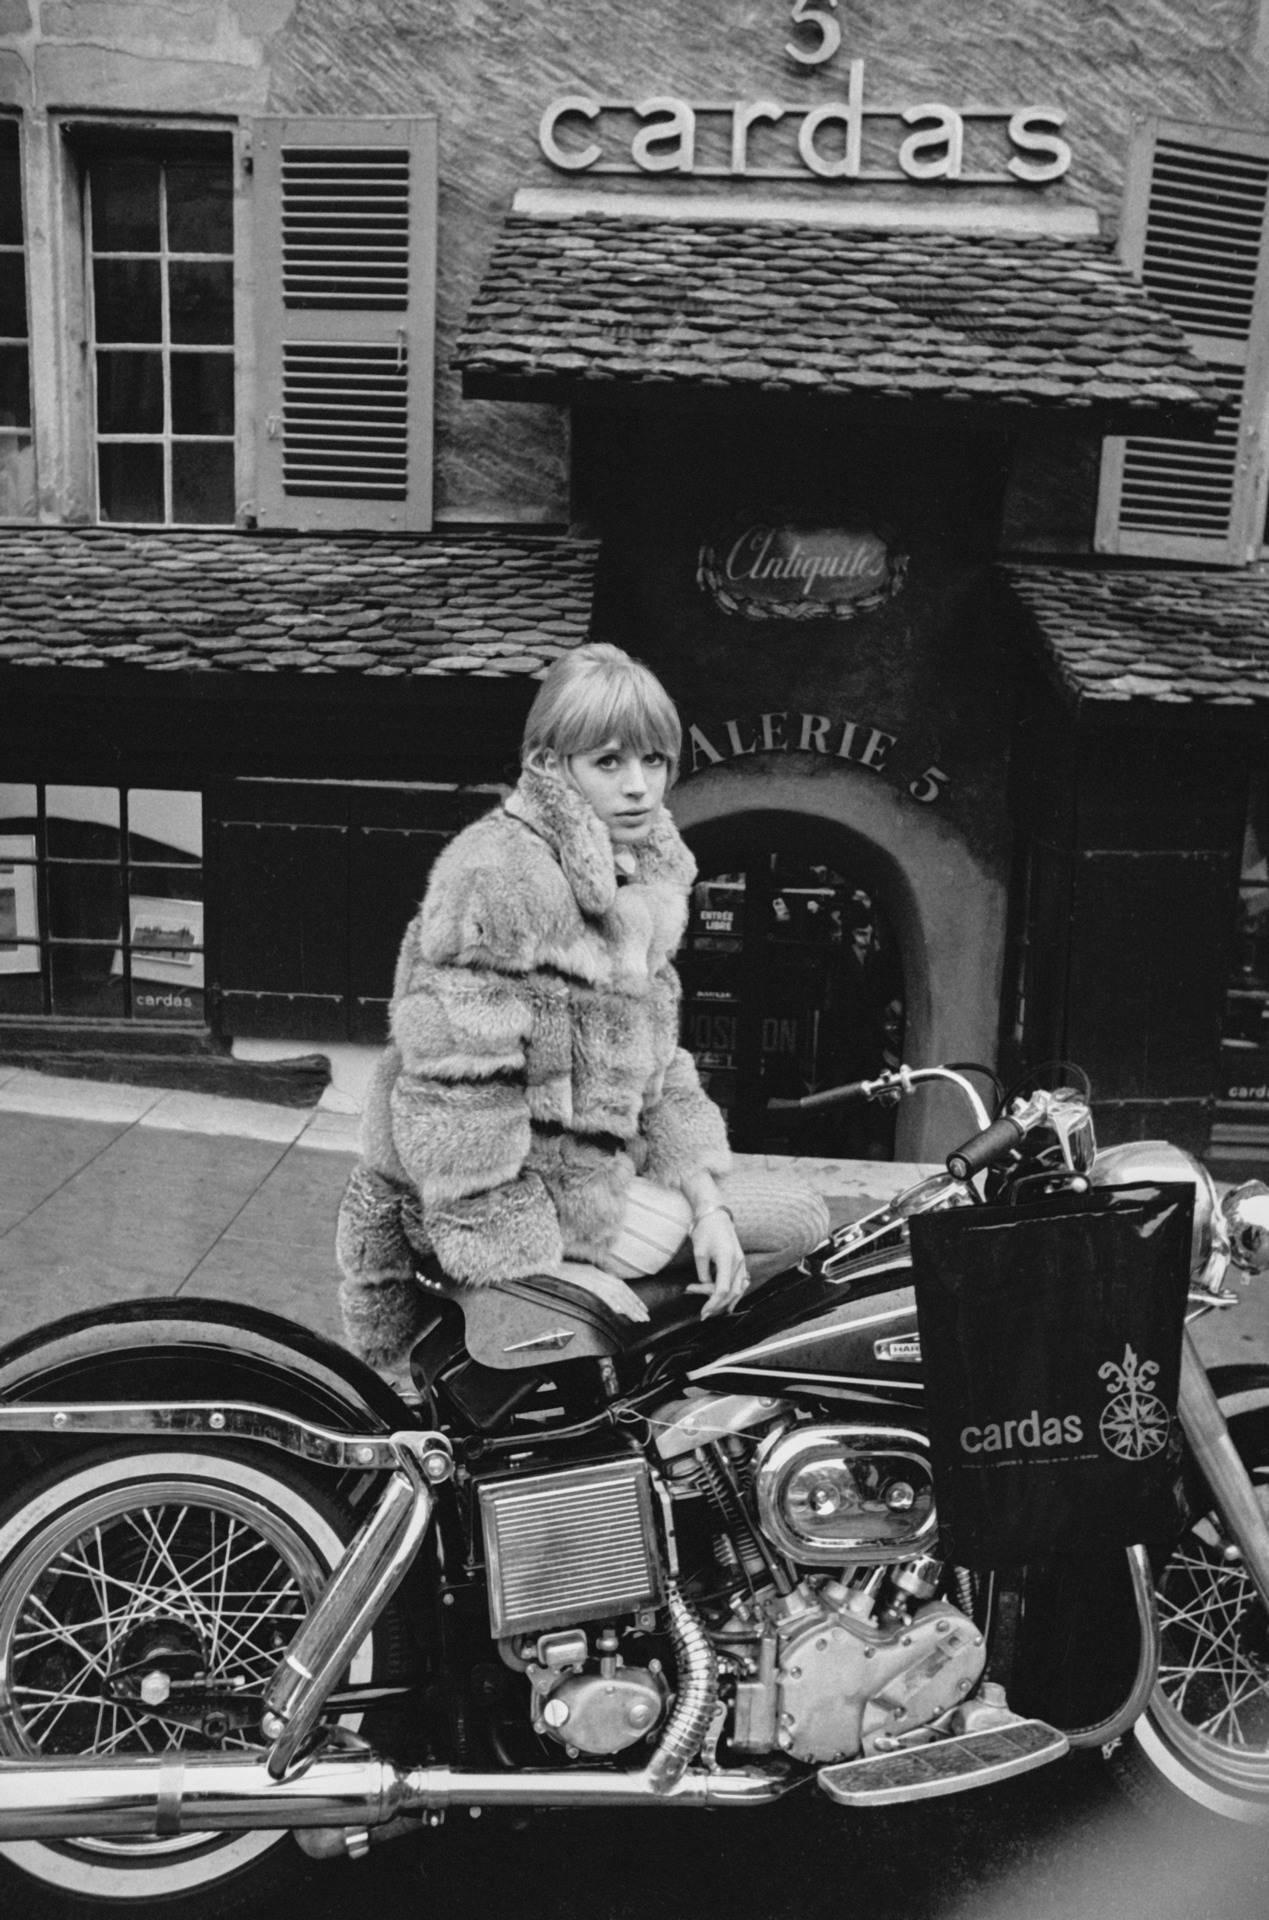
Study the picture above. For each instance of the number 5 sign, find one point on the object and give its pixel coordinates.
(827, 27)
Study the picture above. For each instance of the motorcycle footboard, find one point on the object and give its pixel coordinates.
(953, 1765)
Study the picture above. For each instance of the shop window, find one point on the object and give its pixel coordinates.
(1194, 226)
(101, 903)
(17, 459)
(1245, 1052)
(791, 984)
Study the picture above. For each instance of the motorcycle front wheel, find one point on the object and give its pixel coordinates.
(1205, 1733)
(145, 1599)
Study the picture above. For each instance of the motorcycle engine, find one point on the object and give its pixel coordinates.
(827, 1680)
(825, 1665)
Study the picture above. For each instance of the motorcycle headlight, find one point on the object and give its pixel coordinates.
(1245, 1211)
(1138, 1160)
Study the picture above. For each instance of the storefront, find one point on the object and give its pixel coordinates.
(389, 361)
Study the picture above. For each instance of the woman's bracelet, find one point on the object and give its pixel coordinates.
(717, 1207)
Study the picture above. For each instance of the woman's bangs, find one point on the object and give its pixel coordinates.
(633, 715)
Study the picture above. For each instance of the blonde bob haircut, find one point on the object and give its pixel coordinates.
(596, 694)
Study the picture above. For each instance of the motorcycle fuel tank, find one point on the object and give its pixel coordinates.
(860, 1341)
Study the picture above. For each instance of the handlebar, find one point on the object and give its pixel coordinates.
(984, 1148)
(812, 1102)
(901, 1081)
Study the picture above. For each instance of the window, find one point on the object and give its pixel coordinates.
(1242, 1109)
(101, 902)
(306, 404)
(159, 232)
(1195, 210)
(17, 461)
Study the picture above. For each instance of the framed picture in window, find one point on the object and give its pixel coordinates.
(166, 938)
(19, 905)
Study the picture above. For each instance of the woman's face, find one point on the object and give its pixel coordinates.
(625, 788)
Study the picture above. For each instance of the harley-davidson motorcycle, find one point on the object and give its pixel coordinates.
(250, 1596)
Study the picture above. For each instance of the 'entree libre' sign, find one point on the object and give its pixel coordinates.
(767, 139)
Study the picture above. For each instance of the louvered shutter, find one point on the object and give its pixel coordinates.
(1195, 231)
(345, 249)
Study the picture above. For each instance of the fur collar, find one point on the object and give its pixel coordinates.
(577, 837)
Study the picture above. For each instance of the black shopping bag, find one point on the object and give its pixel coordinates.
(1051, 1347)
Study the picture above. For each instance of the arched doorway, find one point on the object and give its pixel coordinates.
(792, 981)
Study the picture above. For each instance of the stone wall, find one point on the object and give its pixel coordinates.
(488, 71)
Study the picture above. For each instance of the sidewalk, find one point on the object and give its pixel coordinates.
(116, 1192)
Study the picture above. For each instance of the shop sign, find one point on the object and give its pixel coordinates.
(857, 741)
(1246, 1076)
(849, 139)
(764, 572)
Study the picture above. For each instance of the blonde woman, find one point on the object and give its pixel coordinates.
(534, 1112)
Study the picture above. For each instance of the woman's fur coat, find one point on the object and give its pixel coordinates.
(534, 1066)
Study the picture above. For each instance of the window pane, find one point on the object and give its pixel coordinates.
(15, 388)
(97, 805)
(125, 206)
(19, 904)
(17, 802)
(130, 482)
(17, 477)
(202, 393)
(13, 296)
(84, 902)
(200, 217)
(83, 982)
(202, 302)
(130, 393)
(165, 824)
(10, 186)
(203, 483)
(21, 989)
(127, 302)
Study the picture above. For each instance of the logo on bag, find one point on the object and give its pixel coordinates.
(1136, 1423)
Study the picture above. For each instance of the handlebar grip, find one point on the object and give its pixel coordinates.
(984, 1149)
(829, 1098)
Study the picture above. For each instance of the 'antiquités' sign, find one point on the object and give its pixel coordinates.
(761, 571)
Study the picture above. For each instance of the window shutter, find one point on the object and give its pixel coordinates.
(345, 265)
(1195, 225)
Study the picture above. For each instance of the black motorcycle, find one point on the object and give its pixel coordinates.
(250, 1596)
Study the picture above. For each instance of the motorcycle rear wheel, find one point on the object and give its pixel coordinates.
(1205, 1733)
(117, 1567)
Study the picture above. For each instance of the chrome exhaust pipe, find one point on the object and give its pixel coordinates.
(364, 1581)
(174, 1793)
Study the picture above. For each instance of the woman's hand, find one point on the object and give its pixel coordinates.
(614, 1293)
(720, 1262)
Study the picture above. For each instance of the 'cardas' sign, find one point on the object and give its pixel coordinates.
(1031, 1432)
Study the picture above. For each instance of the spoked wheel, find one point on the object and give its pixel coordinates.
(144, 1602)
(1205, 1733)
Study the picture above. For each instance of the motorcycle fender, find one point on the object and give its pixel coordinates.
(178, 1349)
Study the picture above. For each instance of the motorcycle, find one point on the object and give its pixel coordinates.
(252, 1596)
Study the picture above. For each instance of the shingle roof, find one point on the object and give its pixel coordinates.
(1145, 634)
(1023, 320)
(485, 605)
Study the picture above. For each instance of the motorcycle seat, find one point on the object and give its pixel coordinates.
(541, 1319)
